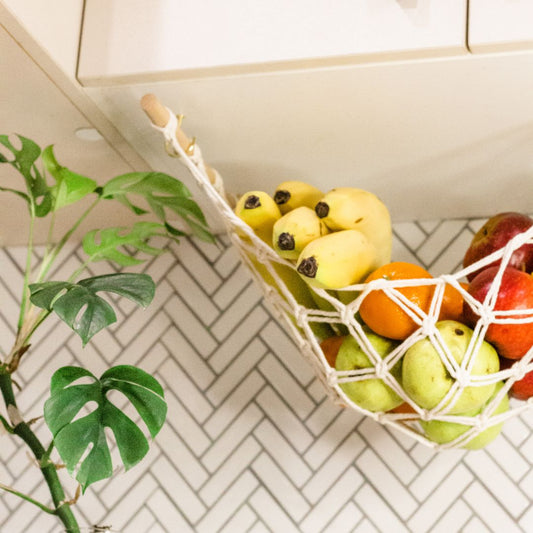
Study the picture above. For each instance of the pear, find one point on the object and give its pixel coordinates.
(441, 431)
(372, 394)
(427, 381)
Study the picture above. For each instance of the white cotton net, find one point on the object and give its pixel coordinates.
(274, 274)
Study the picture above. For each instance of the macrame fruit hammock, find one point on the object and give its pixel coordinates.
(444, 385)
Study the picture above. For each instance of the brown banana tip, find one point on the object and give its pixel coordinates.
(308, 267)
(322, 209)
(252, 202)
(282, 196)
(286, 241)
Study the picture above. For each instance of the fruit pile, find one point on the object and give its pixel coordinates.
(440, 356)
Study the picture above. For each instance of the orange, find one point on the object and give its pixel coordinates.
(330, 348)
(452, 303)
(404, 408)
(386, 317)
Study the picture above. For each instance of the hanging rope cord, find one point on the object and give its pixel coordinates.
(298, 318)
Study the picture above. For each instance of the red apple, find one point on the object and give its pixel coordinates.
(522, 389)
(495, 234)
(515, 292)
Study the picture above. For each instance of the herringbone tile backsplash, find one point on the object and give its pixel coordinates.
(252, 443)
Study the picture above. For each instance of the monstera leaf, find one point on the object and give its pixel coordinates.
(161, 192)
(37, 191)
(79, 433)
(82, 309)
(70, 187)
(109, 243)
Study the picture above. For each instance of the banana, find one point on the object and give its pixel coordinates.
(337, 260)
(260, 212)
(295, 229)
(345, 208)
(293, 193)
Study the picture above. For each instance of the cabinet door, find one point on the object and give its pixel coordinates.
(142, 38)
(497, 25)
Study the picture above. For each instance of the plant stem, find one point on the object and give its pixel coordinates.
(50, 257)
(20, 428)
(29, 253)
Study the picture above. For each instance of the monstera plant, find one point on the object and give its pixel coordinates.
(78, 433)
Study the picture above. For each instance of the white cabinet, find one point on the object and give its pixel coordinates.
(142, 39)
(498, 25)
(54, 24)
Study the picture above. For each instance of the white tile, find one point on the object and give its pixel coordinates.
(453, 518)
(281, 451)
(494, 514)
(243, 363)
(227, 505)
(390, 489)
(277, 482)
(234, 404)
(235, 433)
(272, 512)
(286, 386)
(190, 291)
(378, 511)
(284, 419)
(329, 511)
(186, 390)
(330, 471)
(240, 340)
(242, 520)
(168, 515)
(188, 358)
(434, 471)
(449, 489)
(489, 472)
(397, 460)
(345, 519)
(326, 443)
(240, 460)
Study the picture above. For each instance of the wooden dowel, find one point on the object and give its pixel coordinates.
(159, 116)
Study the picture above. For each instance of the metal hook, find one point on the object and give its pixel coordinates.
(190, 148)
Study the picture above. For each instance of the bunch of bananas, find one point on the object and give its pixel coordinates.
(335, 239)
(332, 239)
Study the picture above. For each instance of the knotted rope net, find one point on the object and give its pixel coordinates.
(273, 273)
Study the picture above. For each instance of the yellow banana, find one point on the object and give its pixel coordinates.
(351, 208)
(337, 260)
(295, 229)
(293, 193)
(260, 212)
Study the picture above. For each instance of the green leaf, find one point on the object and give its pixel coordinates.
(70, 187)
(24, 159)
(80, 439)
(82, 309)
(106, 243)
(162, 193)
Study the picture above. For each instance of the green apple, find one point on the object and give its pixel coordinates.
(372, 394)
(442, 432)
(426, 379)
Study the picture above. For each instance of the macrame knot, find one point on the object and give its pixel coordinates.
(462, 377)
(381, 369)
